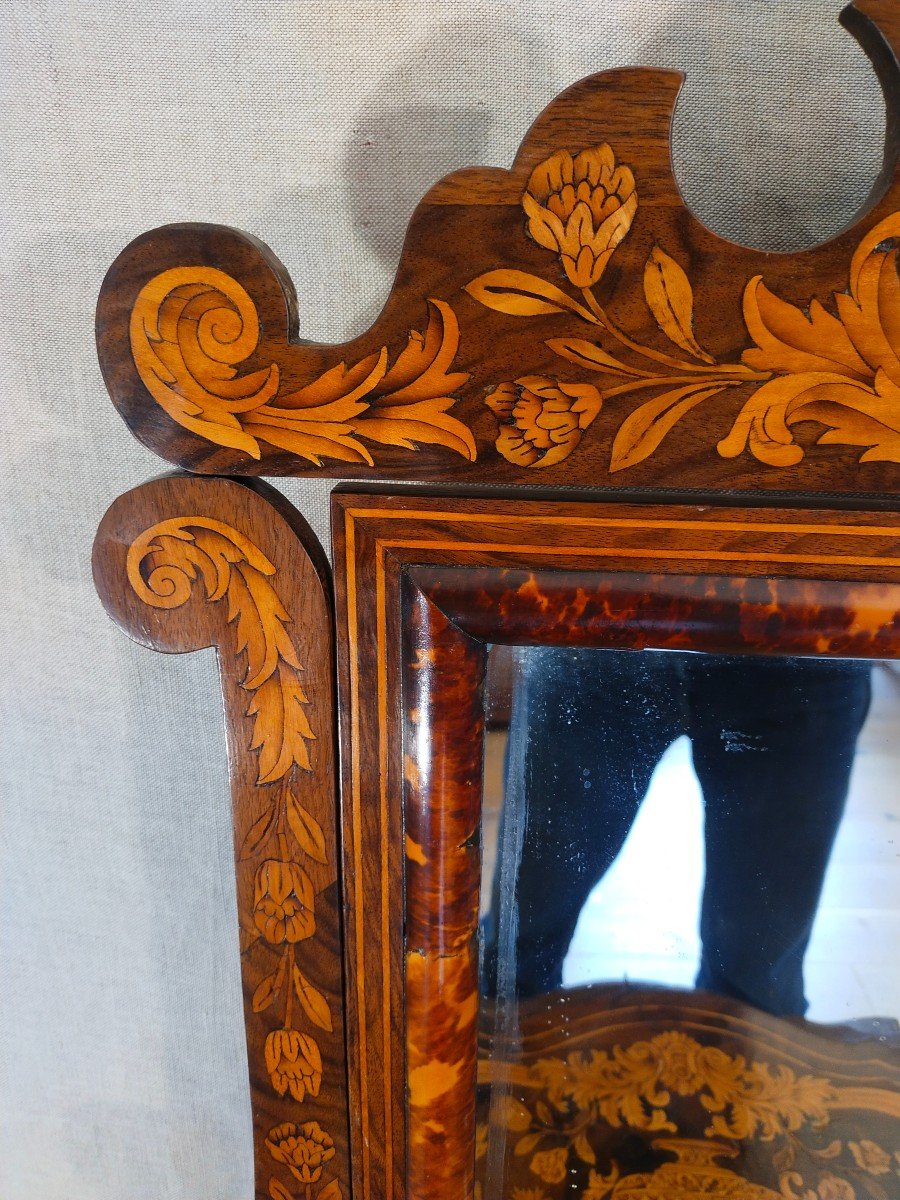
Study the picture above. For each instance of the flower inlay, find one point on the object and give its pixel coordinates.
(166, 565)
(839, 369)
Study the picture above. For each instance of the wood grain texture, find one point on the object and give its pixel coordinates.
(182, 564)
(421, 583)
(566, 321)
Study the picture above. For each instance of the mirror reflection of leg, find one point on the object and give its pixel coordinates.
(773, 746)
(587, 730)
(588, 727)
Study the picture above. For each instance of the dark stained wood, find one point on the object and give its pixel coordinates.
(566, 322)
(183, 564)
(420, 581)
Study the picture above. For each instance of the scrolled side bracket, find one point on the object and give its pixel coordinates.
(182, 564)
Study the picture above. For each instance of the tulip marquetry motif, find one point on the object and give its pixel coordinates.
(581, 208)
(192, 328)
(840, 370)
(305, 1149)
(163, 565)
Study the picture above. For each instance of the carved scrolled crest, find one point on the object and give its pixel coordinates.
(183, 564)
(567, 320)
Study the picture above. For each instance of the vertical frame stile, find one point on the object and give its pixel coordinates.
(183, 564)
(443, 715)
(368, 649)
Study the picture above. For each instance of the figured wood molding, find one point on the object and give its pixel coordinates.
(443, 672)
(183, 564)
(423, 584)
(567, 320)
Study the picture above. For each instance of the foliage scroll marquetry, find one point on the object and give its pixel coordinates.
(186, 563)
(566, 320)
(614, 1081)
(839, 369)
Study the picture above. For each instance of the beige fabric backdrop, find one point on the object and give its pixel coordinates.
(317, 126)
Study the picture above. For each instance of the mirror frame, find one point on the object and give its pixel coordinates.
(423, 586)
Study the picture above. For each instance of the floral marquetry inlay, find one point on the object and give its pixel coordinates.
(567, 317)
(283, 846)
(561, 1112)
(165, 563)
(568, 326)
(192, 327)
(839, 369)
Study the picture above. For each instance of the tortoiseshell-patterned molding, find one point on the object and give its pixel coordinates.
(186, 563)
(424, 585)
(566, 321)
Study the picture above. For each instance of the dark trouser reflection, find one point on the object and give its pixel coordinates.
(773, 744)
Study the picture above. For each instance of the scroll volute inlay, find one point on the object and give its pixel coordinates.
(568, 319)
(183, 564)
